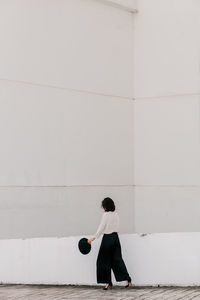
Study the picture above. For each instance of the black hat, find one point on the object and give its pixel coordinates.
(84, 246)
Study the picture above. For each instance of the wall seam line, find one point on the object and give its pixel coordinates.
(65, 88)
(118, 6)
(87, 186)
(166, 96)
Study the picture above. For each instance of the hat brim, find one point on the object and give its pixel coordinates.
(84, 246)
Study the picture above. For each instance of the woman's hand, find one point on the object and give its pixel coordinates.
(91, 240)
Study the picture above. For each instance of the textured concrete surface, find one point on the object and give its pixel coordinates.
(13, 292)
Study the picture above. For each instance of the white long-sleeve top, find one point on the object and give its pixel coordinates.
(109, 223)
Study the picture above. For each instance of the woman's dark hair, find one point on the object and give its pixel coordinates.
(108, 204)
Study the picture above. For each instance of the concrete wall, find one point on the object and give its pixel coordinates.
(66, 116)
(165, 259)
(96, 101)
(167, 115)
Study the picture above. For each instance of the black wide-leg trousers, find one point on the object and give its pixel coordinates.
(110, 258)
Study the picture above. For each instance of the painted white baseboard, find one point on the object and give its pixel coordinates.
(153, 259)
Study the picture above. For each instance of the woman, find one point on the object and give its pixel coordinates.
(110, 256)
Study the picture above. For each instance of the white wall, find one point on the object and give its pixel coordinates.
(74, 44)
(164, 259)
(66, 116)
(166, 118)
(166, 48)
(28, 212)
(48, 127)
(71, 134)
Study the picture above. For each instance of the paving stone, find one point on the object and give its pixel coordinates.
(28, 292)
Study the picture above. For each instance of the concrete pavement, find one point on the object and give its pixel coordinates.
(19, 292)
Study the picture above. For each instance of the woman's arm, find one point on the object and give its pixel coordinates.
(100, 229)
